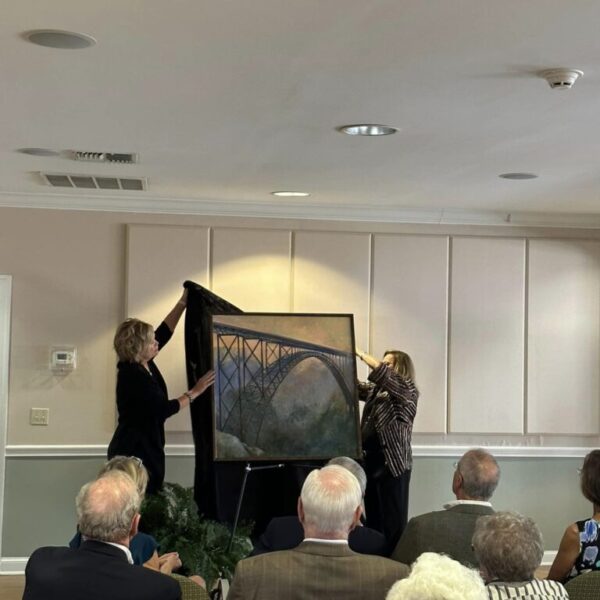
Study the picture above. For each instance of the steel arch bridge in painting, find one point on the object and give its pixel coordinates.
(253, 364)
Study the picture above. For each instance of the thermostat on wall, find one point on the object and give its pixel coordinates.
(63, 359)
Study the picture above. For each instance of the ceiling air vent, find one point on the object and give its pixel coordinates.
(95, 182)
(123, 158)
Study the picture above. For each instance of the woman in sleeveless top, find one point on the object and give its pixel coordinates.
(579, 550)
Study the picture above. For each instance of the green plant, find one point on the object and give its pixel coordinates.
(171, 516)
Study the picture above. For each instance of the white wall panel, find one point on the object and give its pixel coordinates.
(251, 268)
(487, 320)
(563, 344)
(331, 275)
(409, 312)
(159, 260)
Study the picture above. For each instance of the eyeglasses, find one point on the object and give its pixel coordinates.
(137, 460)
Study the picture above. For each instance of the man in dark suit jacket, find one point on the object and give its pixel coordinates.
(449, 531)
(285, 533)
(101, 568)
(322, 565)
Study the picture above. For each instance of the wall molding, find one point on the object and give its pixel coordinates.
(13, 565)
(5, 321)
(103, 202)
(187, 450)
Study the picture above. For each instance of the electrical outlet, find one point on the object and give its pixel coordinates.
(39, 416)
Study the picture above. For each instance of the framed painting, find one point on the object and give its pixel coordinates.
(285, 387)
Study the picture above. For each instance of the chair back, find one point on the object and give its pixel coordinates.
(189, 589)
(584, 587)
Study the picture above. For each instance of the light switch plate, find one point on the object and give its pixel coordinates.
(39, 416)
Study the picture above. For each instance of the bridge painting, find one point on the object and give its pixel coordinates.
(285, 386)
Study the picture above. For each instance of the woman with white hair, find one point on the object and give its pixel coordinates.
(438, 577)
(509, 548)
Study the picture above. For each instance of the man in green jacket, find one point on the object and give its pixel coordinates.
(449, 531)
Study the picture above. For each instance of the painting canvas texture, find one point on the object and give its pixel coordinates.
(285, 387)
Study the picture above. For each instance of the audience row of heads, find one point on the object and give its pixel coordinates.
(508, 547)
(330, 496)
(330, 503)
(108, 507)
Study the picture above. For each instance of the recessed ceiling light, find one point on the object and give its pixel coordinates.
(367, 129)
(38, 151)
(518, 176)
(55, 38)
(289, 194)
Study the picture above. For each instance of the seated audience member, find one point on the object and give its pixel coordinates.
(322, 566)
(284, 533)
(438, 577)
(449, 531)
(143, 547)
(578, 552)
(509, 549)
(107, 517)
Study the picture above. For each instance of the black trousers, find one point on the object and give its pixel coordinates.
(386, 503)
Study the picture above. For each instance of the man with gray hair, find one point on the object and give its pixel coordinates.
(449, 531)
(284, 533)
(102, 567)
(329, 506)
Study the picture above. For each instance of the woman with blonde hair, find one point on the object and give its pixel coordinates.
(142, 400)
(390, 407)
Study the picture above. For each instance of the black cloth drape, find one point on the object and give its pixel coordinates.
(269, 493)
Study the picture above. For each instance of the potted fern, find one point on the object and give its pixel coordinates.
(171, 516)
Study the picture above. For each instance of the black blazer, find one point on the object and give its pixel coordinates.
(143, 406)
(285, 533)
(94, 571)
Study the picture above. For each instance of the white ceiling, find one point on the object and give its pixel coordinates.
(228, 100)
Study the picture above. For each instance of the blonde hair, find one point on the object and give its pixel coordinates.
(131, 338)
(403, 365)
(130, 465)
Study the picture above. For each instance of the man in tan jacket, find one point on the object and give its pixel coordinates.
(323, 565)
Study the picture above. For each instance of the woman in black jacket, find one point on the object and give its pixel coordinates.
(142, 400)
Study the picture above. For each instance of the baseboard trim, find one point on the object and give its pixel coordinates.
(99, 450)
(13, 565)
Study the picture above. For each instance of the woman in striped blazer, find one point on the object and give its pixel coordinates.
(390, 398)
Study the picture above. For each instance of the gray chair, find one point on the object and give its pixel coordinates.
(584, 587)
